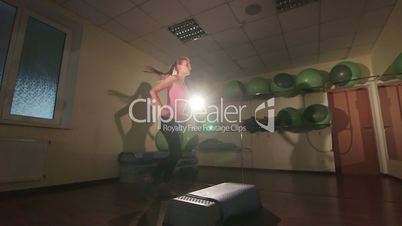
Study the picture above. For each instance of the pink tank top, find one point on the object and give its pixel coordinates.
(178, 91)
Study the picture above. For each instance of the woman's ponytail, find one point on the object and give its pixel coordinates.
(170, 72)
(152, 70)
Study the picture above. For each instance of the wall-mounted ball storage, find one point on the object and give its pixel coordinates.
(395, 70)
(310, 80)
(397, 65)
(258, 86)
(284, 85)
(289, 119)
(316, 116)
(234, 89)
(345, 74)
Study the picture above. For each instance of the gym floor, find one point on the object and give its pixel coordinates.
(289, 199)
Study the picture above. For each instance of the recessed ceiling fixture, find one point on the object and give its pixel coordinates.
(253, 9)
(285, 5)
(187, 30)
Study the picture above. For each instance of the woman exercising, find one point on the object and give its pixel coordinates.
(173, 81)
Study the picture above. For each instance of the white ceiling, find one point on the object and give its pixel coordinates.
(238, 44)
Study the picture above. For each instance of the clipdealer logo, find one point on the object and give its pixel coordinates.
(269, 104)
(212, 114)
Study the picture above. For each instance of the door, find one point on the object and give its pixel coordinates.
(391, 109)
(353, 137)
(391, 102)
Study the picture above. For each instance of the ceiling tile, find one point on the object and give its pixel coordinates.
(341, 42)
(302, 36)
(271, 59)
(375, 4)
(138, 21)
(166, 12)
(162, 39)
(337, 9)
(230, 38)
(367, 37)
(139, 2)
(178, 51)
(163, 58)
(303, 50)
(269, 44)
(226, 68)
(144, 46)
(197, 64)
(276, 61)
(197, 6)
(298, 18)
(240, 52)
(359, 50)
(61, 1)
(231, 76)
(216, 58)
(119, 30)
(254, 71)
(306, 61)
(333, 55)
(263, 28)
(278, 67)
(375, 19)
(202, 45)
(217, 19)
(111, 8)
(341, 27)
(202, 73)
(83, 9)
(239, 7)
(250, 62)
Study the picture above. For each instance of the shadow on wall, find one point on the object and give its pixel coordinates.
(341, 128)
(134, 138)
(306, 142)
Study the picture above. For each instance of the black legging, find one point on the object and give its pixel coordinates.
(163, 172)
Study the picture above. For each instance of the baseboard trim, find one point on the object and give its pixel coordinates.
(54, 188)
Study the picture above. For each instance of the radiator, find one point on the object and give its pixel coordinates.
(22, 159)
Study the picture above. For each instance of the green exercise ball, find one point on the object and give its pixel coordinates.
(345, 74)
(310, 80)
(188, 140)
(283, 85)
(398, 64)
(234, 89)
(258, 86)
(316, 116)
(288, 119)
(161, 142)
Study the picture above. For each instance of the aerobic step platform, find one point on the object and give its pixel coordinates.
(212, 206)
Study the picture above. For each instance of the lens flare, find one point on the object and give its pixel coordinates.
(197, 103)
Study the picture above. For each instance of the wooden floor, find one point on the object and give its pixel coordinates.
(291, 199)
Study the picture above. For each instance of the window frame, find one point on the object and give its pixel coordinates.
(12, 66)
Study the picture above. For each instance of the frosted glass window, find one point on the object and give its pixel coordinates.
(39, 69)
(7, 17)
